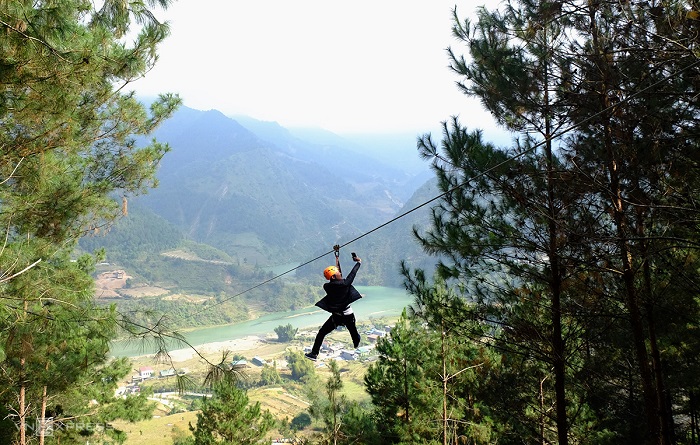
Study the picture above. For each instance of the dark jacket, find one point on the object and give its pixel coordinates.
(340, 293)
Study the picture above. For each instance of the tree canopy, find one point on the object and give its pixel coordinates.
(575, 246)
(73, 149)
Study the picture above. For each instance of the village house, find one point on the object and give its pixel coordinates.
(364, 350)
(258, 361)
(239, 364)
(167, 373)
(348, 355)
(145, 372)
(377, 332)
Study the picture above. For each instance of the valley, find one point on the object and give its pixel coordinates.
(207, 256)
(238, 204)
(285, 399)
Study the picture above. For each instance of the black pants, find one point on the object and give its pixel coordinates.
(333, 322)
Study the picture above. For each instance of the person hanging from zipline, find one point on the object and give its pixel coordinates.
(340, 294)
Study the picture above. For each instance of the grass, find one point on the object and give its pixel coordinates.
(284, 401)
(279, 401)
(158, 430)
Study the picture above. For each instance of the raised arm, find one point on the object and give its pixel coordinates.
(351, 276)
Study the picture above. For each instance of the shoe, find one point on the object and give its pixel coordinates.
(311, 356)
(356, 344)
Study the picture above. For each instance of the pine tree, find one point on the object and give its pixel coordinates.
(330, 409)
(72, 149)
(228, 417)
(584, 220)
(428, 380)
(395, 381)
(635, 95)
(344, 422)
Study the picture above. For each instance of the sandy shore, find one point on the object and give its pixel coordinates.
(215, 348)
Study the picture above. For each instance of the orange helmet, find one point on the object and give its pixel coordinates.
(329, 271)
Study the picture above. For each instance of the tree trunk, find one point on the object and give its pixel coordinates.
(543, 415)
(617, 201)
(407, 403)
(42, 431)
(444, 388)
(632, 302)
(693, 418)
(22, 411)
(664, 409)
(665, 416)
(23, 389)
(557, 339)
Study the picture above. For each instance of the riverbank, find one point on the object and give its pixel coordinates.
(237, 346)
(377, 302)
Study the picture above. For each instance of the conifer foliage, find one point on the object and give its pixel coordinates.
(228, 418)
(572, 252)
(71, 153)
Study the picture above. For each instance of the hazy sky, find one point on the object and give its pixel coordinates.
(363, 66)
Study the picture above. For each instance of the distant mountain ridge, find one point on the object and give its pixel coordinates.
(343, 156)
(254, 190)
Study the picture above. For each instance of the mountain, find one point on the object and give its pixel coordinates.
(257, 192)
(392, 161)
(398, 150)
(240, 202)
(395, 243)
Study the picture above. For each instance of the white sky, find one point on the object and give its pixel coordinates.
(363, 66)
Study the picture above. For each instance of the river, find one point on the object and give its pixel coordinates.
(377, 302)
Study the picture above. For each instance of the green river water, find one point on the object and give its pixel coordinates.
(377, 302)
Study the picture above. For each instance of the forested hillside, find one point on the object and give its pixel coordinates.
(187, 275)
(231, 207)
(271, 200)
(266, 197)
(559, 302)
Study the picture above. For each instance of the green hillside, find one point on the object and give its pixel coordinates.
(234, 207)
(225, 186)
(231, 208)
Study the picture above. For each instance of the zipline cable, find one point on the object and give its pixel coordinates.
(458, 186)
(462, 184)
(181, 339)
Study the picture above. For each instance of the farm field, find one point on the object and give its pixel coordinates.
(284, 401)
